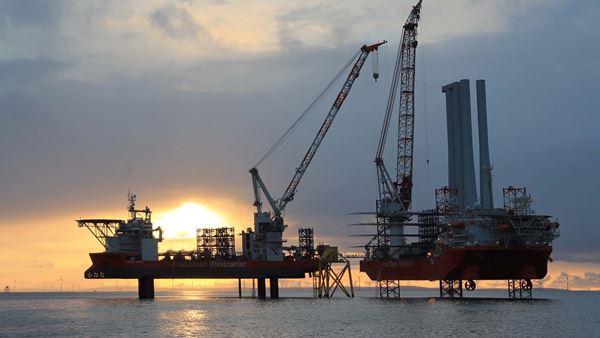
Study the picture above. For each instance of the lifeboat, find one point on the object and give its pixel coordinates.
(504, 226)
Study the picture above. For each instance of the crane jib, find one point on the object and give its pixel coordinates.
(279, 205)
(341, 97)
(406, 125)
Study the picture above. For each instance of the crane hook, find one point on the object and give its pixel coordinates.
(376, 64)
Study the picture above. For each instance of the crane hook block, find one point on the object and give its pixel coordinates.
(376, 64)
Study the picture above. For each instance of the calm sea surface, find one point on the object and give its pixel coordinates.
(188, 314)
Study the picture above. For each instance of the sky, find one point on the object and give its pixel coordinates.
(177, 100)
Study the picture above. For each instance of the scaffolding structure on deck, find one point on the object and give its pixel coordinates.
(216, 242)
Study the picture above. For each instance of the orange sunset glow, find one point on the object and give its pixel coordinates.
(182, 222)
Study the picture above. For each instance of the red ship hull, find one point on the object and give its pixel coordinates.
(476, 263)
(118, 265)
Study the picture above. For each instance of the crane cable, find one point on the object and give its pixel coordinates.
(391, 101)
(424, 84)
(305, 113)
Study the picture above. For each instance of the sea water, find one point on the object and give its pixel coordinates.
(221, 314)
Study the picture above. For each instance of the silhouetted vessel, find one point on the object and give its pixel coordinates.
(464, 237)
(131, 251)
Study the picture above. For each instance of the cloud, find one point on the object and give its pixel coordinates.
(588, 21)
(120, 38)
(587, 281)
(30, 14)
(329, 24)
(177, 22)
(310, 25)
(583, 253)
(17, 72)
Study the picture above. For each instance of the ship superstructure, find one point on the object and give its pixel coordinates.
(134, 237)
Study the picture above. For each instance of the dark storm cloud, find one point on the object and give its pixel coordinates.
(176, 22)
(64, 135)
(69, 144)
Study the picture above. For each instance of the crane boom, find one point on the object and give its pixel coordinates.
(337, 104)
(406, 123)
(404, 74)
(265, 242)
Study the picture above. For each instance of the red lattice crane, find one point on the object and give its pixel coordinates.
(400, 190)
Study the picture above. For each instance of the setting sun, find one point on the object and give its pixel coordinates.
(182, 222)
